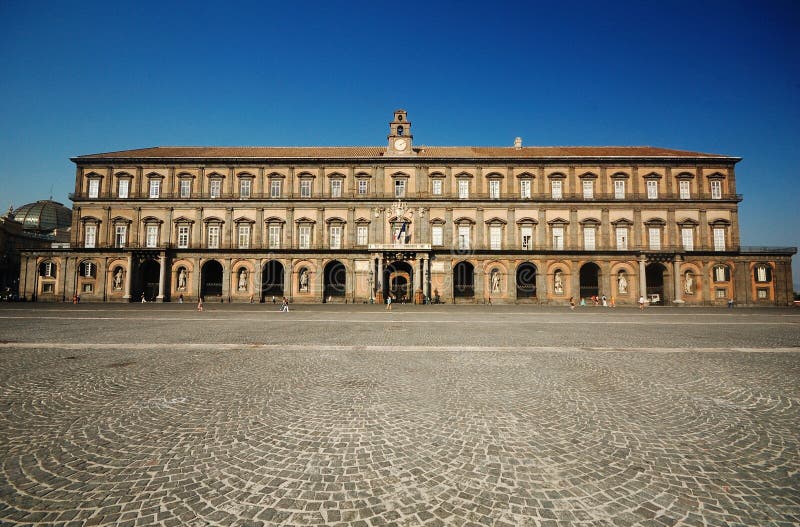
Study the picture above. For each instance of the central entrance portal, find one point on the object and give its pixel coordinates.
(399, 279)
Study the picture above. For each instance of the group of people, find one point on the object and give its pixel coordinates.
(595, 300)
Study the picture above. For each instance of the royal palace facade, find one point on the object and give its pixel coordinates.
(450, 224)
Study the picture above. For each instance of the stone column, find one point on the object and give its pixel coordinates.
(477, 280)
(605, 283)
(288, 279)
(480, 227)
(575, 280)
(448, 228)
(379, 285)
(226, 278)
(642, 277)
(574, 240)
(541, 283)
(231, 243)
(541, 229)
(511, 229)
(257, 275)
(605, 231)
(128, 277)
(418, 281)
(638, 238)
(703, 242)
(707, 282)
(162, 265)
(426, 286)
(350, 238)
(288, 235)
(258, 228)
(676, 274)
(741, 283)
(511, 283)
(319, 236)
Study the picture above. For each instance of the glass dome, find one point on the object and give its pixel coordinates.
(43, 216)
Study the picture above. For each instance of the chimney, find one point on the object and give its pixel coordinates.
(517, 143)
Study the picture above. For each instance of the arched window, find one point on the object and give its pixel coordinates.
(400, 130)
(47, 269)
(722, 273)
(763, 273)
(88, 269)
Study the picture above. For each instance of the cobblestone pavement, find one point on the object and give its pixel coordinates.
(348, 415)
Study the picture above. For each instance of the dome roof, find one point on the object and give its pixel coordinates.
(43, 216)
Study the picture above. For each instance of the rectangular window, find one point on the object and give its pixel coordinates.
(655, 238)
(336, 237)
(274, 236)
(687, 238)
(399, 188)
(244, 236)
(683, 185)
(619, 189)
(463, 189)
(622, 238)
(91, 236)
(558, 238)
(151, 237)
(526, 235)
(183, 236)
(719, 239)
(155, 188)
(185, 188)
(88, 288)
(555, 189)
(463, 237)
(588, 189)
(716, 189)
(88, 270)
(48, 288)
(652, 189)
(436, 188)
(721, 293)
(494, 189)
(305, 237)
(762, 293)
(213, 236)
(48, 270)
(120, 235)
(275, 188)
(495, 237)
(245, 185)
(336, 188)
(525, 188)
(761, 273)
(215, 188)
(588, 238)
(361, 234)
(124, 186)
(94, 188)
(305, 188)
(363, 186)
(436, 235)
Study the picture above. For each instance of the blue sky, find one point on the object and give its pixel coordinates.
(718, 76)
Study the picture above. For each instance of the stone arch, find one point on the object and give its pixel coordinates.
(464, 279)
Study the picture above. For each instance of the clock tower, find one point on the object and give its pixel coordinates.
(400, 135)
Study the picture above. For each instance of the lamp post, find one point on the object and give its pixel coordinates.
(370, 281)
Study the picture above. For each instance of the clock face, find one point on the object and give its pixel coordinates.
(400, 144)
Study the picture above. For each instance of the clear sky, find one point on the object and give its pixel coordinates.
(712, 76)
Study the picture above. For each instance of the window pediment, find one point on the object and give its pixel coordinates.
(557, 175)
(591, 222)
(525, 175)
(494, 175)
(306, 175)
(152, 219)
(243, 219)
(335, 175)
(620, 175)
(588, 175)
(527, 221)
(685, 175)
(245, 175)
(437, 175)
(215, 175)
(276, 175)
(94, 175)
(123, 175)
(655, 222)
(154, 175)
(688, 222)
(120, 219)
(362, 221)
(622, 222)
(213, 219)
(305, 220)
(436, 221)
(90, 219)
(652, 175)
(558, 221)
(400, 175)
(464, 175)
(716, 175)
(335, 220)
(719, 222)
(274, 220)
(183, 219)
(186, 175)
(496, 221)
(464, 221)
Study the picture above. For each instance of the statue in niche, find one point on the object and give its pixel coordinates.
(243, 280)
(182, 279)
(118, 278)
(495, 281)
(304, 280)
(558, 283)
(688, 283)
(622, 283)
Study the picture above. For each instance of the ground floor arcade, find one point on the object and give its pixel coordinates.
(412, 274)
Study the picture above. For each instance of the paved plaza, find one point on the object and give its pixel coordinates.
(156, 414)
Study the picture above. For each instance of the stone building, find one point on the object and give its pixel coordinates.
(457, 224)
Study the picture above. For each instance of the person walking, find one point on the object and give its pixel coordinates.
(572, 303)
(285, 305)
(389, 301)
(641, 303)
(605, 301)
(200, 304)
